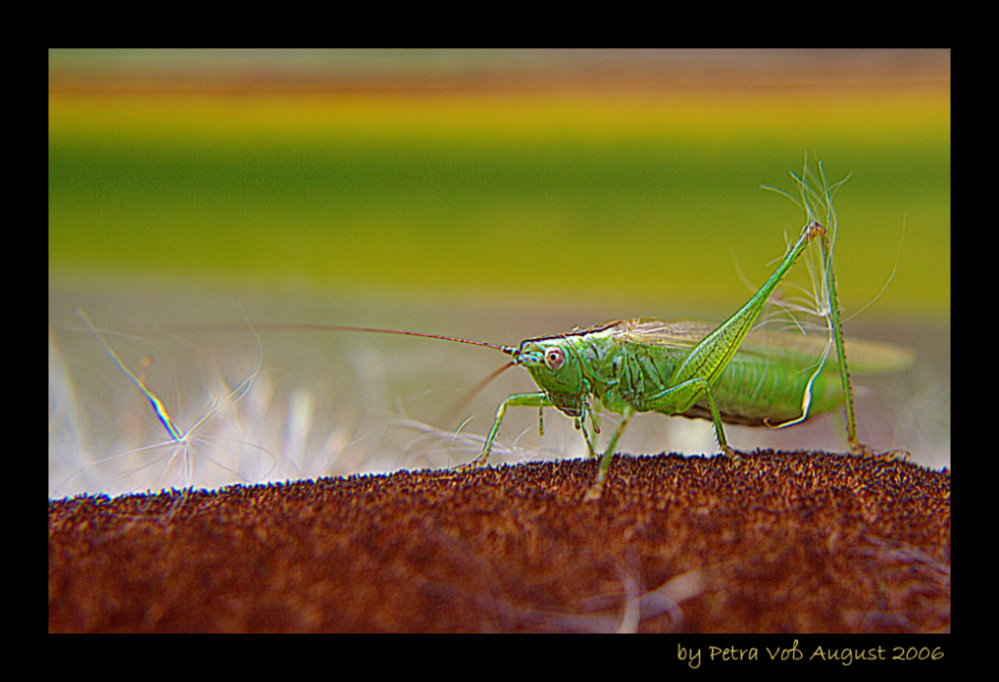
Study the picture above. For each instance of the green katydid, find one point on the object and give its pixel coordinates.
(725, 373)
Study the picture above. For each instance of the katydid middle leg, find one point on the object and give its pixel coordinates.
(597, 488)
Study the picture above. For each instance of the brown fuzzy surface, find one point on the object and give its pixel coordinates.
(773, 542)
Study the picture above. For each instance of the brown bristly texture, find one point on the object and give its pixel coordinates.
(773, 542)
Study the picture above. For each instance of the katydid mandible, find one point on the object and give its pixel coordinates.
(725, 373)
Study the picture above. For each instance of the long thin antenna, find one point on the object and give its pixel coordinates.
(474, 391)
(509, 350)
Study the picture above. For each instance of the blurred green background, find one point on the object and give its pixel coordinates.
(500, 173)
(496, 194)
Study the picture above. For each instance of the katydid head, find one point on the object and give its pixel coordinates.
(555, 368)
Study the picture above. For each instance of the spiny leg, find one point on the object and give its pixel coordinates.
(664, 400)
(588, 439)
(539, 400)
(580, 423)
(597, 488)
(716, 418)
(856, 447)
(679, 398)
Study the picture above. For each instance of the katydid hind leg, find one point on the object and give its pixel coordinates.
(693, 379)
(709, 358)
(853, 437)
(699, 386)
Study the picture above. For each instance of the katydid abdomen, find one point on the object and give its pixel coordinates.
(765, 382)
(755, 391)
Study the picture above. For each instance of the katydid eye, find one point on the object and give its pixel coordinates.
(554, 358)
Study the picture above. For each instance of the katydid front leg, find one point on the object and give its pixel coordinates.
(539, 400)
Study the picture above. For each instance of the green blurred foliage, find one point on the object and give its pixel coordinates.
(654, 211)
